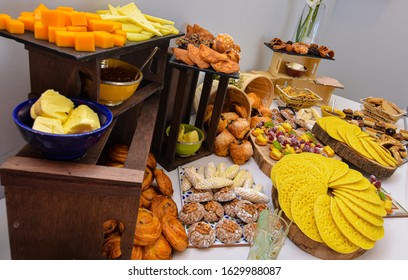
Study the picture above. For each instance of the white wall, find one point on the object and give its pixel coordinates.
(368, 36)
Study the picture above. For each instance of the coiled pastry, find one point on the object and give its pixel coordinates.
(159, 250)
(137, 252)
(163, 205)
(151, 161)
(147, 178)
(163, 182)
(175, 233)
(111, 247)
(147, 196)
(148, 228)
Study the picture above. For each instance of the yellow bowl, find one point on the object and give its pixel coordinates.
(327, 112)
(118, 81)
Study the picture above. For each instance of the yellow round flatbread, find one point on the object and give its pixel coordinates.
(352, 176)
(363, 184)
(328, 229)
(290, 186)
(373, 219)
(369, 194)
(375, 209)
(377, 153)
(338, 167)
(354, 142)
(319, 162)
(303, 211)
(347, 229)
(365, 228)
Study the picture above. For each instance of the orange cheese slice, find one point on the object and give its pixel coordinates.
(3, 18)
(84, 41)
(104, 39)
(28, 21)
(14, 26)
(64, 38)
(53, 18)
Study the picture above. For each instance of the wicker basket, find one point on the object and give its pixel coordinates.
(259, 84)
(378, 114)
(302, 98)
(234, 96)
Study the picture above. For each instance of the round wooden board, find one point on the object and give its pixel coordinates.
(367, 165)
(317, 249)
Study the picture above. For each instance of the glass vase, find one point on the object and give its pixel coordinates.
(308, 25)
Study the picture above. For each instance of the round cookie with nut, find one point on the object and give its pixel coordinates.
(247, 212)
(191, 213)
(201, 235)
(213, 211)
(200, 195)
(248, 231)
(224, 194)
(228, 231)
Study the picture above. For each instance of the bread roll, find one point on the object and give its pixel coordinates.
(163, 182)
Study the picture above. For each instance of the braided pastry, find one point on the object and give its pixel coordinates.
(159, 250)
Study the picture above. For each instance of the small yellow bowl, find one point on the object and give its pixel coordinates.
(327, 112)
(119, 84)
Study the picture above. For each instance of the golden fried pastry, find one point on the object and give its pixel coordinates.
(241, 111)
(163, 205)
(147, 179)
(182, 55)
(222, 143)
(148, 228)
(163, 182)
(239, 128)
(111, 247)
(324, 51)
(151, 161)
(226, 66)
(300, 48)
(111, 226)
(118, 153)
(254, 100)
(230, 116)
(159, 250)
(288, 47)
(234, 55)
(194, 54)
(175, 233)
(211, 56)
(241, 151)
(137, 253)
(222, 124)
(208, 112)
(114, 164)
(257, 119)
(265, 111)
(223, 42)
(203, 33)
(147, 196)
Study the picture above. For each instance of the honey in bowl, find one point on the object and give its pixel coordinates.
(117, 74)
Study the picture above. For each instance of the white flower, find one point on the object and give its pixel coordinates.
(313, 3)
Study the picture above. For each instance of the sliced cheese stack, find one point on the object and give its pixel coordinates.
(86, 31)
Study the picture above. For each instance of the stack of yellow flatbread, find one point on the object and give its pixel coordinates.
(358, 140)
(329, 202)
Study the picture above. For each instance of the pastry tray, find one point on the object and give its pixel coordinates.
(295, 54)
(184, 195)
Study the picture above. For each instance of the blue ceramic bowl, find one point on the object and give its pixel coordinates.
(63, 147)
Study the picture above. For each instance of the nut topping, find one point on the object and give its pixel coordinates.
(203, 228)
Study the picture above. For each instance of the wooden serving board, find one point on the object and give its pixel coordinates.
(262, 158)
(352, 156)
(317, 249)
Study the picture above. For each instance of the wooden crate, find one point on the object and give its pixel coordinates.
(277, 66)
